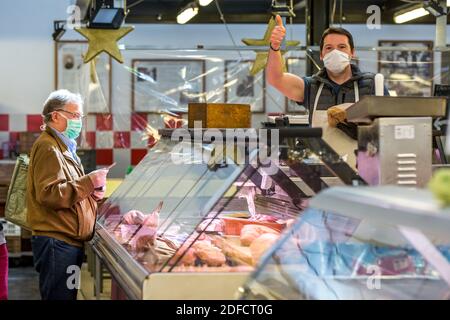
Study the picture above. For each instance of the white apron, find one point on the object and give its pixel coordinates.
(338, 140)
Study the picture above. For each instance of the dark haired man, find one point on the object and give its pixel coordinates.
(340, 82)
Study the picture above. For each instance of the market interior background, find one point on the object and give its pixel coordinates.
(29, 55)
(119, 111)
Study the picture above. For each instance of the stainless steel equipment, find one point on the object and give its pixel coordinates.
(395, 138)
(372, 107)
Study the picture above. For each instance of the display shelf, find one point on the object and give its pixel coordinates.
(172, 227)
(360, 243)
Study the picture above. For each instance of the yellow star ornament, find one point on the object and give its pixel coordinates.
(261, 56)
(103, 40)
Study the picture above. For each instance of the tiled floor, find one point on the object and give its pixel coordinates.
(24, 285)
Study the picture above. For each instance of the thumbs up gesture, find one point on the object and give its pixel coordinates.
(278, 34)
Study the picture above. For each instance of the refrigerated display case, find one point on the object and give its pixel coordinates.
(180, 225)
(360, 243)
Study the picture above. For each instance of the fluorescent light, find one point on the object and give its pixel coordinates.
(204, 3)
(410, 15)
(187, 14)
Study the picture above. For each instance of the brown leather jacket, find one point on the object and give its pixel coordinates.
(59, 194)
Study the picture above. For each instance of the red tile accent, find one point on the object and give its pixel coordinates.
(90, 139)
(13, 136)
(104, 157)
(122, 139)
(104, 122)
(34, 122)
(137, 155)
(4, 122)
(138, 121)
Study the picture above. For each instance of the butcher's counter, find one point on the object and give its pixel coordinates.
(385, 242)
(195, 216)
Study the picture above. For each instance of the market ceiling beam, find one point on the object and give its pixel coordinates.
(256, 11)
(317, 21)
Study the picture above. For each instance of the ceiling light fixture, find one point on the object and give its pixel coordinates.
(107, 18)
(204, 3)
(409, 14)
(435, 8)
(187, 13)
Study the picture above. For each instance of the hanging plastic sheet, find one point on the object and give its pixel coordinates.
(127, 103)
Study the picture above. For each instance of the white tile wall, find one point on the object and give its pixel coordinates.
(104, 139)
(17, 122)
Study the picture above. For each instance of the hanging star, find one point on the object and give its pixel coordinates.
(261, 56)
(103, 40)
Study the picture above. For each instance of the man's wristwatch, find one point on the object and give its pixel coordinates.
(272, 48)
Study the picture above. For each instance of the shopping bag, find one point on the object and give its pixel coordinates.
(16, 208)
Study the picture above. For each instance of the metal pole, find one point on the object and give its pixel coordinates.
(317, 21)
(98, 277)
(441, 28)
(441, 43)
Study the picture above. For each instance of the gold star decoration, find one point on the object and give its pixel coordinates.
(103, 40)
(261, 56)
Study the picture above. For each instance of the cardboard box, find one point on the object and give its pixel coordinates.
(25, 245)
(14, 244)
(25, 234)
(6, 171)
(3, 193)
(220, 115)
(26, 141)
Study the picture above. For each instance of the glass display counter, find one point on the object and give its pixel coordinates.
(360, 243)
(182, 224)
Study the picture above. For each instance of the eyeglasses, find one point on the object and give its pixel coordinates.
(73, 114)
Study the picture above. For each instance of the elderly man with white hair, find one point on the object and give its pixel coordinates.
(61, 198)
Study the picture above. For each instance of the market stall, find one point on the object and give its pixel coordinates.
(195, 229)
(360, 243)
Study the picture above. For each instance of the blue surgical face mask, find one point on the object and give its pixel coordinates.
(73, 128)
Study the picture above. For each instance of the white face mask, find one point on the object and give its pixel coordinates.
(336, 61)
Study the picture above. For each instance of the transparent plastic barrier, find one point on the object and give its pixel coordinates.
(164, 82)
(155, 85)
(329, 256)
